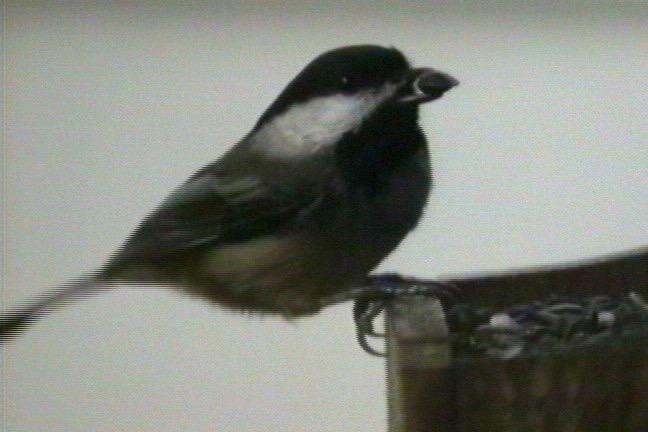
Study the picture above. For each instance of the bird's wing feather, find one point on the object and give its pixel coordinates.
(213, 208)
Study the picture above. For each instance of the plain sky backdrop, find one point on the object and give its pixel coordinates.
(541, 157)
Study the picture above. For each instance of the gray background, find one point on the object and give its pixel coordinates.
(540, 158)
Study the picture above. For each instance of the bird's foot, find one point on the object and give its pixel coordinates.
(371, 299)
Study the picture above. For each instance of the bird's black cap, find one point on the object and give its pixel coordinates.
(341, 70)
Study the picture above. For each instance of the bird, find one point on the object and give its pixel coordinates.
(328, 182)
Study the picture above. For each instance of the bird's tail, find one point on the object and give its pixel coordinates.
(15, 321)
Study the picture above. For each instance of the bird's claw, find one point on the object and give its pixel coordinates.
(371, 300)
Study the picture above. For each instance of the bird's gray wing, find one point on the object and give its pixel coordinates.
(213, 208)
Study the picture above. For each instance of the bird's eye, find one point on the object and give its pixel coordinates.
(348, 82)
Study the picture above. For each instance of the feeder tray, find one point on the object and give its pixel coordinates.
(560, 349)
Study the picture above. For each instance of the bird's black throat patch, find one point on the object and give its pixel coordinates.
(368, 156)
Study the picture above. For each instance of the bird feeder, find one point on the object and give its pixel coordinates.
(559, 349)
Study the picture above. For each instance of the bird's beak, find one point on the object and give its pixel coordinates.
(423, 85)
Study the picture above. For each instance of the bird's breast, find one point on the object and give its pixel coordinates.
(333, 248)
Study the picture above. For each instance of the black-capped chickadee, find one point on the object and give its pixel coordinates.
(329, 181)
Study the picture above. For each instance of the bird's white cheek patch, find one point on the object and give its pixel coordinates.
(311, 126)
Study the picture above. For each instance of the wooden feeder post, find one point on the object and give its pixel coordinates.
(432, 391)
